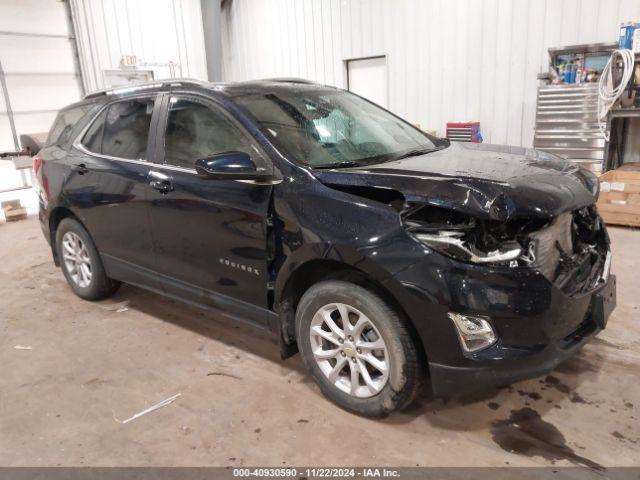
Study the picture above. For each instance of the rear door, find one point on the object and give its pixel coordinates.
(209, 235)
(108, 185)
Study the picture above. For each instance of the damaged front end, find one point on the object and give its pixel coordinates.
(571, 250)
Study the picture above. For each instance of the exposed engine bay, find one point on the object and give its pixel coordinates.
(570, 250)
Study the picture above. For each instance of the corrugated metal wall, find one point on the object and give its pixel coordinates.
(165, 36)
(37, 57)
(447, 59)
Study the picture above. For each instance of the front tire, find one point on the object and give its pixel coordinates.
(358, 349)
(81, 263)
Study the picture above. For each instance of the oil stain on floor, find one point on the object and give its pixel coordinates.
(526, 433)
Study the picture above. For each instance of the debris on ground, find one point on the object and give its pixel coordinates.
(22, 347)
(116, 307)
(161, 404)
(222, 374)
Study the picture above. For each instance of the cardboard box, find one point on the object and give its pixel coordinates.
(619, 201)
(13, 210)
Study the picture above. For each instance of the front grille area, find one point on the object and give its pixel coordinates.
(571, 251)
(547, 251)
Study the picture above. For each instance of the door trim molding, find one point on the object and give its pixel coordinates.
(169, 287)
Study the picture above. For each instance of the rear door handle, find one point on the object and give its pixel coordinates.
(160, 182)
(80, 169)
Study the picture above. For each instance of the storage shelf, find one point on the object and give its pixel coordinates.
(567, 123)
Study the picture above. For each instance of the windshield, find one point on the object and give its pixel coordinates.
(333, 128)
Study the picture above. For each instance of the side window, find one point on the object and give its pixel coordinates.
(195, 130)
(92, 140)
(64, 123)
(126, 129)
(121, 130)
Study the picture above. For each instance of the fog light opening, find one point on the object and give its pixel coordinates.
(475, 333)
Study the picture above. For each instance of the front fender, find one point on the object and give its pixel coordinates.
(325, 251)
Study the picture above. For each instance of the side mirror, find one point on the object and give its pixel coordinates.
(231, 166)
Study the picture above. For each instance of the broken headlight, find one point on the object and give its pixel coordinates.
(455, 245)
(465, 238)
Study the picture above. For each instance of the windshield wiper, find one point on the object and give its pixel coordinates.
(345, 164)
(415, 153)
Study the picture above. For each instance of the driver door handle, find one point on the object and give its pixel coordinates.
(161, 182)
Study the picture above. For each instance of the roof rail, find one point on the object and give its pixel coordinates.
(147, 85)
(290, 80)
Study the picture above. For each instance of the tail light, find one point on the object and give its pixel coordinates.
(41, 184)
(37, 163)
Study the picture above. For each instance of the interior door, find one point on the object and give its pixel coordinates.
(367, 77)
(209, 235)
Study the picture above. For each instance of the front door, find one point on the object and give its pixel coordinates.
(209, 235)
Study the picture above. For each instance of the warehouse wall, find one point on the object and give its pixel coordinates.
(447, 59)
(165, 36)
(37, 57)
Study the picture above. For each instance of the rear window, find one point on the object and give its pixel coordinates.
(121, 130)
(63, 125)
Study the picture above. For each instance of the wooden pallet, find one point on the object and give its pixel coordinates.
(619, 201)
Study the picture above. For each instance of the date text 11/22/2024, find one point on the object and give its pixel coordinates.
(321, 472)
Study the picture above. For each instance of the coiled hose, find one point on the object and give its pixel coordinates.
(607, 93)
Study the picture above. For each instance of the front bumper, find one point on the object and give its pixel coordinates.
(538, 326)
(498, 366)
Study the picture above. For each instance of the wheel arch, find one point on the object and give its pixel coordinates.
(317, 270)
(57, 215)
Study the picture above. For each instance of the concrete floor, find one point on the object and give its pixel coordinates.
(93, 363)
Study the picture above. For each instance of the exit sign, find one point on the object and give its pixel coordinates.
(129, 60)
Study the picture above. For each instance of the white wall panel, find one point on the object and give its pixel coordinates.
(6, 144)
(33, 93)
(21, 54)
(39, 16)
(37, 57)
(165, 35)
(447, 59)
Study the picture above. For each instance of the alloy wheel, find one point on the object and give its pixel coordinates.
(349, 350)
(76, 259)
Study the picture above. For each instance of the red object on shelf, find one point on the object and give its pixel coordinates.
(464, 132)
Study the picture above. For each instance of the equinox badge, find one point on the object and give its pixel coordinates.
(239, 266)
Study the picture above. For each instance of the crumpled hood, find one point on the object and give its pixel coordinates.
(487, 181)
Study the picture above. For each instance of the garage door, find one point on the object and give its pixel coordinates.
(40, 74)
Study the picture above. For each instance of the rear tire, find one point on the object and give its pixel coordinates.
(81, 263)
(370, 364)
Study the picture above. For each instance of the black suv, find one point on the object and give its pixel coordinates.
(387, 257)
